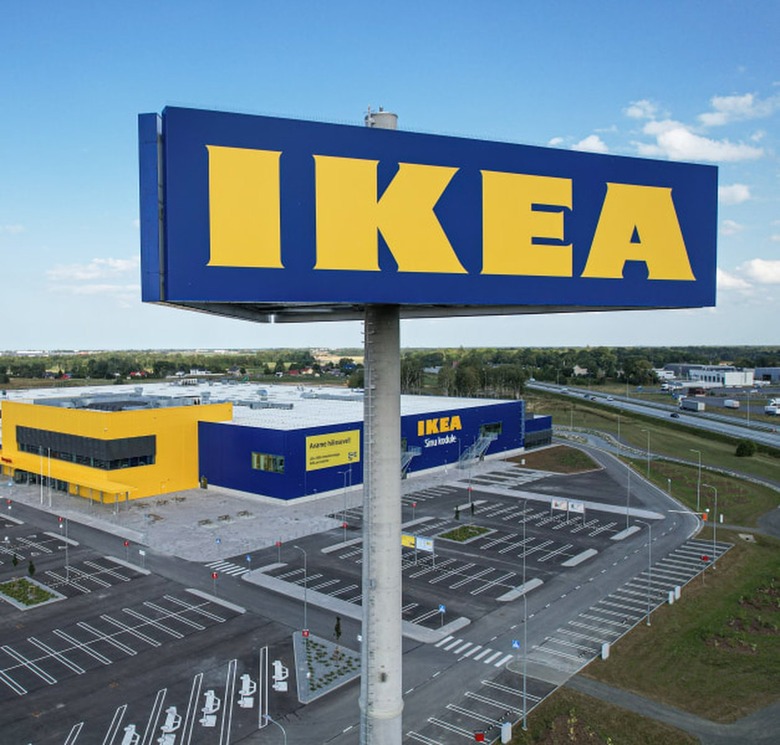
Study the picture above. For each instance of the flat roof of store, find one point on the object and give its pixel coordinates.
(290, 407)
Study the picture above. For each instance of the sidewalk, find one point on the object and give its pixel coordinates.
(761, 727)
(208, 524)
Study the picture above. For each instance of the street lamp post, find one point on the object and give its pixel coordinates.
(748, 409)
(305, 584)
(273, 721)
(525, 622)
(698, 483)
(714, 522)
(628, 491)
(649, 562)
(647, 432)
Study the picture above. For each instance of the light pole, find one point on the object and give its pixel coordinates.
(305, 583)
(649, 563)
(714, 521)
(273, 721)
(647, 432)
(748, 409)
(628, 490)
(525, 621)
(698, 483)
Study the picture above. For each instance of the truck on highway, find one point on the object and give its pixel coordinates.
(731, 403)
(691, 404)
(772, 410)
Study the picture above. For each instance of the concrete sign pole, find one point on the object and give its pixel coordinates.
(381, 699)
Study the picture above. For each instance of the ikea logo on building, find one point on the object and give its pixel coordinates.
(523, 220)
(438, 425)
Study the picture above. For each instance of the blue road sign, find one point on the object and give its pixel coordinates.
(442, 608)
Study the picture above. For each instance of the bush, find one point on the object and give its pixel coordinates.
(745, 448)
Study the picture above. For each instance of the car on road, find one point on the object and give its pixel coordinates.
(674, 415)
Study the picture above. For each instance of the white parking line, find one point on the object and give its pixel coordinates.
(84, 647)
(12, 684)
(100, 636)
(131, 630)
(56, 655)
(151, 622)
(116, 723)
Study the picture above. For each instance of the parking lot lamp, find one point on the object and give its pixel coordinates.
(698, 482)
(647, 432)
(649, 562)
(305, 583)
(525, 621)
(714, 521)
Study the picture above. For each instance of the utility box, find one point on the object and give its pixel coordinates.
(605, 651)
(506, 732)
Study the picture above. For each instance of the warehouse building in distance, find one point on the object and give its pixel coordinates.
(127, 442)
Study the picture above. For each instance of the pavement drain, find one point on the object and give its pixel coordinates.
(322, 666)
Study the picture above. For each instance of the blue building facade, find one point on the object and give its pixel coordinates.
(294, 463)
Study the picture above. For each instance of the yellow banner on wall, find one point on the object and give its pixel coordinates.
(407, 540)
(333, 449)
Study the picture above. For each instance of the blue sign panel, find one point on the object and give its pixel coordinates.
(262, 217)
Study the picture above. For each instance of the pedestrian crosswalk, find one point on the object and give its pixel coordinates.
(476, 652)
(227, 567)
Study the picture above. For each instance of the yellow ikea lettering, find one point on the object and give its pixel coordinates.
(349, 216)
(648, 213)
(244, 213)
(636, 223)
(510, 223)
(438, 425)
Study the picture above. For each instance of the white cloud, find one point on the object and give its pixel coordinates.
(728, 109)
(775, 238)
(555, 141)
(591, 144)
(676, 141)
(733, 194)
(101, 289)
(12, 229)
(642, 109)
(96, 269)
(730, 227)
(763, 271)
(728, 281)
(137, 223)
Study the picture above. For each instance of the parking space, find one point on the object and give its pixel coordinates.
(573, 645)
(482, 708)
(467, 578)
(29, 663)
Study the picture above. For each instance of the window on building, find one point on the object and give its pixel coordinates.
(494, 428)
(268, 462)
(107, 455)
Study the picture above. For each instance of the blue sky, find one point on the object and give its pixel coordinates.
(693, 81)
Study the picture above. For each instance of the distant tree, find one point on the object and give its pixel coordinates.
(746, 449)
(357, 379)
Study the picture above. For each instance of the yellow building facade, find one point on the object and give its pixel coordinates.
(105, 456)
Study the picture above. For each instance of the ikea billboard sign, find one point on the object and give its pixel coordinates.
(277, 219)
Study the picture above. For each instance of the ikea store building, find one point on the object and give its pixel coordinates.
(285, 442)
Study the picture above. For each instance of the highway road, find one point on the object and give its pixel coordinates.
(758, 432)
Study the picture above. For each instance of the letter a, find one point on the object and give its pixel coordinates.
(647, 212)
